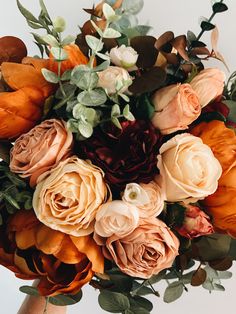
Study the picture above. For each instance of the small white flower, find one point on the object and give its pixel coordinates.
(135, 194)
(125, 57)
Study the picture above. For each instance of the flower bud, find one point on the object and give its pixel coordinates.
(125, 57)
(59, 24)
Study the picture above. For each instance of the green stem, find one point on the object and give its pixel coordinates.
(46, 305)
(59, 70)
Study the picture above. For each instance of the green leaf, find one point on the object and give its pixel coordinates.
(103, 56)
(59, 54)
(66, 76)
(50, 40)
(94, 43)
(101, 67)
(111, 33)
(84, 80)
(140, 30)
(63, 300)
(219, 7)
(38, 39)
(11, 200)
(157, 278)
(232, 107)
(116, 122)
(232, 251)
(86, 129)
(140, 302)
(139, 289)
(68, 40)
(34, 25)
(133, 6)
(44, 9)
(115, 111)
(144, 107)
(99, 31)
(29, 290)
(92, 98)
(127, 114)
(50, 76)
(113, 302)
(108, 12)
(206, 26)
(27, 14)
(173, 292)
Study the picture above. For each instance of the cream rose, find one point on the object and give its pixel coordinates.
(68, 197)
(114, 79)
(148, 198)
(40, 149)
(125, 57)
(189, 169)
(176, 106)
(116, 218)
(208, 85)
(149, 249)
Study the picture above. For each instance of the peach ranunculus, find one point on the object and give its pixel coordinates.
(189, 169)
(148, 198)
(208, 84)
(196, 223)
(149, 249)
(22, 108)
(176, 107)
(68, 196)
(61, 263)
(75, 57)
(222, 204)
(116, 218)
(40, 149)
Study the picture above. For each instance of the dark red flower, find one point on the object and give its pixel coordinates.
(125, 156)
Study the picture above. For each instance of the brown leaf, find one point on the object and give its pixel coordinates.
(92, 12)
(88, 28)
(149, 81)
(164, 39)
(200, 51)
(12, 49)
(180, 44)
(81, 43)
(215, 38)
(199, 277)
(187, 68)
(221, 264)
(145, 47)
(171, 58)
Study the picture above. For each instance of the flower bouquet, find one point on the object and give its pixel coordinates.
(118, 156)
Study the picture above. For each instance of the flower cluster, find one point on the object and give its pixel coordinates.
(121, 142)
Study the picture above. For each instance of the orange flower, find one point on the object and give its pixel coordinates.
(75, 57)
(62, 263)
(21, 109)
(222, 204)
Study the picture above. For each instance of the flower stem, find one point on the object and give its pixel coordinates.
(46, 305)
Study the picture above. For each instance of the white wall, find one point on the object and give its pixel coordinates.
(178, 16)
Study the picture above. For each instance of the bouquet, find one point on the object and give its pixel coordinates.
(118, 157)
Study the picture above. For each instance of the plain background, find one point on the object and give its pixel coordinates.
(178, 16)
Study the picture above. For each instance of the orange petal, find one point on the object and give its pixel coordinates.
(18, 76)
(68, 253)
(88, 246)
(48, 241)
(22, 266)
(38, 64)
(22, 220)
(25, 239)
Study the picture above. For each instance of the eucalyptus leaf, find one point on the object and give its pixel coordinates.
(85, 80)
(99, 31)
(44, 9)
(116, 122)
(92, 98)
(133, 6)
(59, 54)
(103, 56)
(29, 290)
(101, 67)
(111, 33)
(27, 14)
(173, 292)
(34, 25)
(68, 40)
(94, 43)
(50, 76)
(11, 200)
(113, 302)
(219, 7)
(66, 76)
(140, 302)
(64, 300)
(108, 12)
(86, 129)
(50, 40)
(232, 107)
(115, 111)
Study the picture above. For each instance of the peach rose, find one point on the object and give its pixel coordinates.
(222, 204)
(189, 169)
(176, 106)
(208, 85)
(196, 223)
(148, 198)
(40, 149)
(109, 79)
(68, 196)
(150, 248)
(116, 218)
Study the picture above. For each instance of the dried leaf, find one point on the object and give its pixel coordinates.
(215, 38)
(145, 47)
(200, 51)
(221, 264)
(180, 44)
(199, 277)
(12, 49)
(164, 39)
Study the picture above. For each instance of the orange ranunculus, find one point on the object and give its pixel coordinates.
(21, 109)
(75, 57)
(222, 204)
(62, 263)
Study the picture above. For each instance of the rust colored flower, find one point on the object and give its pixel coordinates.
(222, 204)
(75, 57)
(12, 49)
(124, 156)
(62, 263)
(21, 109)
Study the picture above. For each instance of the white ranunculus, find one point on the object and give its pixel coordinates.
(125, 57)
(114, 79)
(116, 218)
(189, 169)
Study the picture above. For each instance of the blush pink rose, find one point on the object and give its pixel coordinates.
(208, 84)
(176, 106)
(40, 149)
(196, 223)
(149, 249)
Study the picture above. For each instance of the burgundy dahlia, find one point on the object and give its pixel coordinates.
(125, 156)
